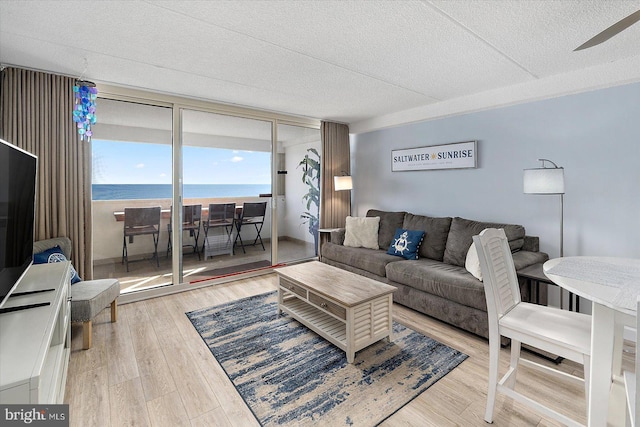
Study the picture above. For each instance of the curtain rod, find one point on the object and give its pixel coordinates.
(5, 65)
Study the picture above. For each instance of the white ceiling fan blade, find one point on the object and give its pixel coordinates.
(619, 26)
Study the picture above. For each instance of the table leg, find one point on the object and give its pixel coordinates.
(325, 236)
(532, 290)
(351, 341)
(618, 344)
(602, 328)
(570, 301)
(351, 356)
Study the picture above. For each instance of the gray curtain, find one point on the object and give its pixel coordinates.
(334, 205)
(35, 115)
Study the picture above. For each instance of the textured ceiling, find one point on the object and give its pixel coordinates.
(349, 61)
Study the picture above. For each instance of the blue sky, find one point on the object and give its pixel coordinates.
(116, 162)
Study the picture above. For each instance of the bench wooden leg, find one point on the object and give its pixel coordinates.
(114, 310)
(86, 335)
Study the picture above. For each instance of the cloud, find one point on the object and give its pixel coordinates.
(236, 159)
(139, 165)
(163, 174)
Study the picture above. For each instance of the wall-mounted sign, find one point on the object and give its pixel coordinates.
(449, 156)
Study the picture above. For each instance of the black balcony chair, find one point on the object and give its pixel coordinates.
(252, 213)
(139, 222)
(221, 215)
(191, 217)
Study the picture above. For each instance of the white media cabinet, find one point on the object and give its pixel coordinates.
(35, 342)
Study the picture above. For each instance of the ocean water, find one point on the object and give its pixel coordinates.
(163, 191)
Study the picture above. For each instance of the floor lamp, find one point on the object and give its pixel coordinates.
(547, 180)
(550, 180)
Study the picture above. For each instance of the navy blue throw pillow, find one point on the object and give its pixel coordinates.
(406, 243)
(55, 254)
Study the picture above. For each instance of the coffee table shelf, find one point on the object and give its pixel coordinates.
(322, 323)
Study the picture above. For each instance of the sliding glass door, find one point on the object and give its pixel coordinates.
(131, 171)
(298, 192)
(226, 170)
(223, 196)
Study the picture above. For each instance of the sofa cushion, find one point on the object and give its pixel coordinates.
(436, 231)
(361, 232)
(522, 259)
(389, 222)
(406, 243)
(444, 280)
(371, 260)
(461, 236)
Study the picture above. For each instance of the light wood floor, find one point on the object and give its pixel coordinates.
(152, 368)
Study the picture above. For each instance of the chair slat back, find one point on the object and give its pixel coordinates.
(498, 271)
(253, 210)
(191, 214)
(141, 217)
(222, 212)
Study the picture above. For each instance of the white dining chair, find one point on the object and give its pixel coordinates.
(564, 333)
(631, 383)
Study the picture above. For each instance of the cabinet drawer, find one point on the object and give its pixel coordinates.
(290, 286)
(328, 306)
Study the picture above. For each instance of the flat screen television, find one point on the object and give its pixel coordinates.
(18, 170)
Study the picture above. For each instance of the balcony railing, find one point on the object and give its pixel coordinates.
(143, 272)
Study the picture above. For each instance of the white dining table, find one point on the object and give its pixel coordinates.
(613, 286)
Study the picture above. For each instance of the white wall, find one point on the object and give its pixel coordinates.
(294, 206)
(595, 136)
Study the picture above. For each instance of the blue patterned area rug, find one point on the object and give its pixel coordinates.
(289, 375)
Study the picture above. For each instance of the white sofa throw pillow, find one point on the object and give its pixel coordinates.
(472, 263)
(362, 232)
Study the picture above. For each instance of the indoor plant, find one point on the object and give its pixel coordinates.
(311, 177)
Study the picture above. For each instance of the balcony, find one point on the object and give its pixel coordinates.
(294, 244)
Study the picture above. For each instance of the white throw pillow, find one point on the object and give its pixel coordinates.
(472, 263)
(362, 232)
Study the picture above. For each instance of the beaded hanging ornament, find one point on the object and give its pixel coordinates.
(84, 113)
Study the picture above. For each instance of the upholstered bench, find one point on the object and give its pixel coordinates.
(88, 298)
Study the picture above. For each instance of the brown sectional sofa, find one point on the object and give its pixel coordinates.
(437, 284)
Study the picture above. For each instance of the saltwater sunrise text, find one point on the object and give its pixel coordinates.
(442, 155)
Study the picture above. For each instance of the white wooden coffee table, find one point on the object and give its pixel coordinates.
(348, 310)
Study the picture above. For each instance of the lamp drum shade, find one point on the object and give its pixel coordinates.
(342, 183)
(544, 181)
